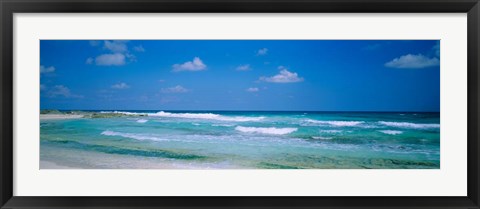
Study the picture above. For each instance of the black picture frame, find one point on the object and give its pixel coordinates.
(9, 7)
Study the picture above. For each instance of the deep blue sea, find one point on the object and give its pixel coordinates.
(243, 140)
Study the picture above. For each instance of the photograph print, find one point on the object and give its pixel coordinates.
(239, 104)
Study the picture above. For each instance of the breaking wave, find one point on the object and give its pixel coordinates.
(142, 121)
(269, 130)
(410, 125)
(336, 123)
(391, 132)
(208, 116)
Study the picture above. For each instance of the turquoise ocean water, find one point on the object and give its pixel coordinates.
(245, 140)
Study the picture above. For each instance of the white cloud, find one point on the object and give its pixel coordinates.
(252, 89)
(195, 65)
(44, 69)
(413, 61)
(116, 46)
(110, 59)
(175, 89)
(284, 76)
(131, 57)
(118, 54)
(243, 68)
(62, 91)
(120, 86)
(139, 48)
(262, 51)
(89, 61)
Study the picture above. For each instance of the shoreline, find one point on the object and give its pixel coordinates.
(59, 116)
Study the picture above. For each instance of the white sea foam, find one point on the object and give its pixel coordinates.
(140, 137)
(142, 121)
(208, 116)
(263, 130)
(410, 125)
(335, 123)
(331, 131)
(391, 132)
(321, 137)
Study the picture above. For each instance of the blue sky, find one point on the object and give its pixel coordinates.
(308, 75)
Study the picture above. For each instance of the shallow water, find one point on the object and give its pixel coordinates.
(225, 140)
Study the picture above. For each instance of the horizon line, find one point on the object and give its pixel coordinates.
(353, 111)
